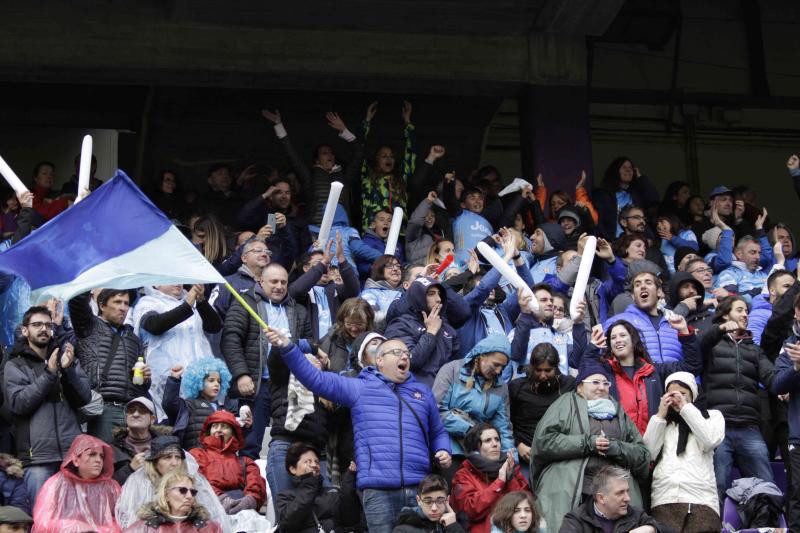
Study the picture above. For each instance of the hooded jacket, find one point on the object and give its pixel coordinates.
(428, 352)
(222, 466)
(13, 490)
(68, 503)
(562, 447)
(241, 335)
(388, 456)
(43, 405)
(700, 318)
(544, 264)
(463, 400)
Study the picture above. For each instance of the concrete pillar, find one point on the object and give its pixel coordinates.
(555, 136)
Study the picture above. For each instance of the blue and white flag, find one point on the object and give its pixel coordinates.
(115, 238)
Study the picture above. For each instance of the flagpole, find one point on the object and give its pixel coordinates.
(249, 309)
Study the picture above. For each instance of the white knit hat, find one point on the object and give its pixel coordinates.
(686, 379)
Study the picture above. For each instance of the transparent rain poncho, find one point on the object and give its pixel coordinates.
(68, 503)
(139, 490)
(180, 345)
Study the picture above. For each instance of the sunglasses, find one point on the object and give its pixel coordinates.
(184, 490)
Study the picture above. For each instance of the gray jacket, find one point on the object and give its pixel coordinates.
(43, 405)
(418, 242)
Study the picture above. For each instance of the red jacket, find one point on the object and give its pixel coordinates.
(221, 465)
(632, 394)
(476, 497)
(46, 207)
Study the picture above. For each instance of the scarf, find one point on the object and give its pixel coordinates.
(139, 445)
(673, 417)
(602, 409)
(490, 467)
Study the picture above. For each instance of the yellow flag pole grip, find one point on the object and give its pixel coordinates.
(249, 309)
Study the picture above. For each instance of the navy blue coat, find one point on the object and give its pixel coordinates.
(428, 352)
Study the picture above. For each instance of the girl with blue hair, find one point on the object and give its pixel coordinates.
(191, 395)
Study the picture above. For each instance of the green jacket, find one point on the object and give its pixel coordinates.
(562, 447)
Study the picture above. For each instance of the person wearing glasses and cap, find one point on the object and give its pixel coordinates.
(579, 434)
(399, 434)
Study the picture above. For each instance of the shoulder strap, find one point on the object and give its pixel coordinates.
(110, 359)
(416, 417)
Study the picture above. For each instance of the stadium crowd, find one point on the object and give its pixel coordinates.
(416, 391)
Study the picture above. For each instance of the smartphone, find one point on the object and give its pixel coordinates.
(271, 222)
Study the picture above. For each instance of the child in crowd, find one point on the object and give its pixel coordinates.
(191, 395)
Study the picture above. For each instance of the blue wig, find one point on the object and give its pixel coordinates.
(196, 372)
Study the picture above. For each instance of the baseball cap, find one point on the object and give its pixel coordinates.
(144, 401)
(719, 190)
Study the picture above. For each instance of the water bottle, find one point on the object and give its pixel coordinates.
(138, 373)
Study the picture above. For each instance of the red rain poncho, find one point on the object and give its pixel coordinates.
(69, 504)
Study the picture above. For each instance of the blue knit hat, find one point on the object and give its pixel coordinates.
(590, 367)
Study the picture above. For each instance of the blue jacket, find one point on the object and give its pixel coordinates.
(377, 244)
(787, 381)
(662, 345)
(393, 444)
(529, 332)
(242, 280)
(13, 491)
(354, 247)
(507, 312)
(428, 352)
(759, 314)
(463, 404)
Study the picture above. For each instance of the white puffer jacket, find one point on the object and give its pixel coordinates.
(688, 478)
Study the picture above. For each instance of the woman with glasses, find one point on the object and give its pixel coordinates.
(433, 513)
(487, 474)
(165, 456)
(579, 434)
(309, 507)
(383, 287)
(637, 382)
(175, 509)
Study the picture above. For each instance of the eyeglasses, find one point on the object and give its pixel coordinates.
(597, 382)
(258, 251)
(392, 266)
(706, 270)
(635, 217)
(40, 325)
(428, 502)
(141, 409)
(397, 352)
(355, 324)
(184, 490)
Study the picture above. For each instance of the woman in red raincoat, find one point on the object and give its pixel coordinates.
(82, 495)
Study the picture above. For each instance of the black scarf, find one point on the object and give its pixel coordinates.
(490, 467)
(673, 417)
